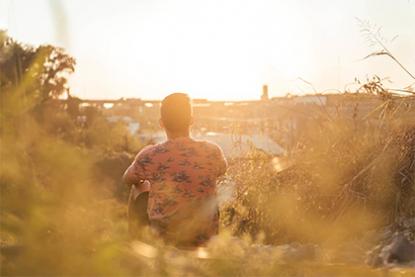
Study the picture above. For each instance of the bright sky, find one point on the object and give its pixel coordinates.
(215, 49)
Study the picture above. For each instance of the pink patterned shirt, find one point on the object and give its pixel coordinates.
(182, 173)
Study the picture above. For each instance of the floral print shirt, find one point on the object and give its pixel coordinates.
(182, 173)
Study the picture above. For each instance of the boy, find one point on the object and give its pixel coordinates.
(180, 175)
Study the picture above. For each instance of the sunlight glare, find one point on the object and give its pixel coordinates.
(218, 50)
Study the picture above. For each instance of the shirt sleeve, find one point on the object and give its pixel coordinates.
(138, 170)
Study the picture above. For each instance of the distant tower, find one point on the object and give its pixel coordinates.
(264, 96)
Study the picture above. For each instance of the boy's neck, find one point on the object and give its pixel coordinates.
(173, 135)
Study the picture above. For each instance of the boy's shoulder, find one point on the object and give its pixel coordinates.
(209, 145)
(164, 147)
(144, 151)
(153, 148)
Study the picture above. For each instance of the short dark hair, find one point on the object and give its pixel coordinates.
(176, 112)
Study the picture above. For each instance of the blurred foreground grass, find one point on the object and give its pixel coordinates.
(63, 208)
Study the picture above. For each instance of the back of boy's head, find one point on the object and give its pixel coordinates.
(176, 112)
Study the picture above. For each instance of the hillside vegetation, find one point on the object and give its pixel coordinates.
(347, 184)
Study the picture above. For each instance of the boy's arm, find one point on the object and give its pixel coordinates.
(130, 175)
(135, 173)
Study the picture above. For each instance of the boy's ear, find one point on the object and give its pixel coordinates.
(161, 123)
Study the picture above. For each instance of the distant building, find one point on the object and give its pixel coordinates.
(319, 100)
(265, 96)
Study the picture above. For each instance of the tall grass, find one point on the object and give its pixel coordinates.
(63, 208)
(346, 180)
(61, 214)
